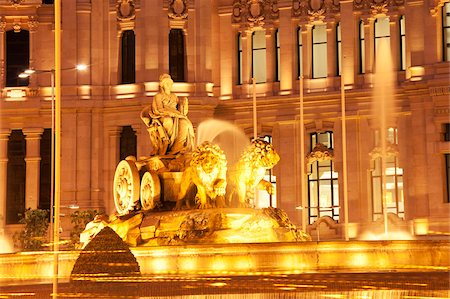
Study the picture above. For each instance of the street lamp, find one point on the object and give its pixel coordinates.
(25, 74)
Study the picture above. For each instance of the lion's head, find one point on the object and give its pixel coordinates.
(260, 153)
(209, 157)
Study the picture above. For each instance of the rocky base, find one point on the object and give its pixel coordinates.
(204, 226)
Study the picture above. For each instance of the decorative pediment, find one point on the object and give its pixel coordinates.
(320, 153)
(377, 152)
(314, 9)
(178, 9)
(377, 6)
(125, 10)
(255, 13)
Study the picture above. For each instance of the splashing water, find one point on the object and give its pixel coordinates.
(5, 245)
(231, 139)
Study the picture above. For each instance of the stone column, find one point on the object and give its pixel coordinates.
(394, 31)
(331, 49)
(270, 57)
(2, 51)
(246, 40)
(369, 33)
(32, 160)
(4, 137)
(32, 25)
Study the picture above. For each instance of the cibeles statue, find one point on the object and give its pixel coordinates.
(170, 130)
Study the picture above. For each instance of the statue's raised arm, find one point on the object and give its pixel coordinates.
(169, 128)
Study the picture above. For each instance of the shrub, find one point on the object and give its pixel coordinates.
(34, 234)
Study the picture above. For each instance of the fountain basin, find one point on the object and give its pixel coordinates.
(249, 259)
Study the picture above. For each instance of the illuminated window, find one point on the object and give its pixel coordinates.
(128, 65)
(16, 175)
(402, 43)
(239, 59)
(362, 47)
(338, 49)
(446, 30)
(392, 178)
(299, 52)
(128, 142)
(447, 176)
(263, 198)
(45, 170)
(382, 32)
(176, 55)
(323, 189)
(17, 57)
(277, 56)
(259, 56)
(393, 182)
(319, 51)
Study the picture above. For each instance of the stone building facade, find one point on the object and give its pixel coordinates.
(213, 49)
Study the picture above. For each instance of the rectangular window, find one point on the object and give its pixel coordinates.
(446, 30)
(299, 53)
(277, 56)
(128, 51)
(382, 32)
(338, 49)
(447, 176)
(259, 56)
(447, 132)
(45, 174)
(17, 57)
(239, 59)
(323, 188)
(319, 51)
(362, 49)
(176, 55)
(402, 43)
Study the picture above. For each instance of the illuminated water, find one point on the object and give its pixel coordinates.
(228, 136)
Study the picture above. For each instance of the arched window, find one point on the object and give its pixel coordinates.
(17, 57)
(319, 51)
(176, 55)
(402, 43)
(299, 53)
(128, 142)
(277, 56)
(446, 30)
(239, 59)
(259, 56)
(382, 32)
(362, 49)
(128, 64)
(16, 176)
(323, 195)
(338, 50)
(45, 170)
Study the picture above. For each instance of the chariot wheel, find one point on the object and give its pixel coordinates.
(126, 187)
(150, 190)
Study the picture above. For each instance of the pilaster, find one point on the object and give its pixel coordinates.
(4, 137)
(32, 160)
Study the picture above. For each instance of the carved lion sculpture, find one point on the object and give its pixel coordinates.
(207, 170)
(248, 173)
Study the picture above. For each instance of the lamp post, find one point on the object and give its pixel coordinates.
(55, 173)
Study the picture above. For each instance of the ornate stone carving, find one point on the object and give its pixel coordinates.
(16, 2)
(391, 151)
(2, 24)
(16, 27)
(377, 6)
(314, 9)
(126, 10)
(33, 23)
(320, 153)
(255, 13)
(435, 6)
(178, 9)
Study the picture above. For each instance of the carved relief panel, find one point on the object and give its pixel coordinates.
(126, 14)
(255, 13)
(314, 10)
(377, 6)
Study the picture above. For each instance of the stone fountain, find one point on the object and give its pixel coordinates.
(186, 194)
